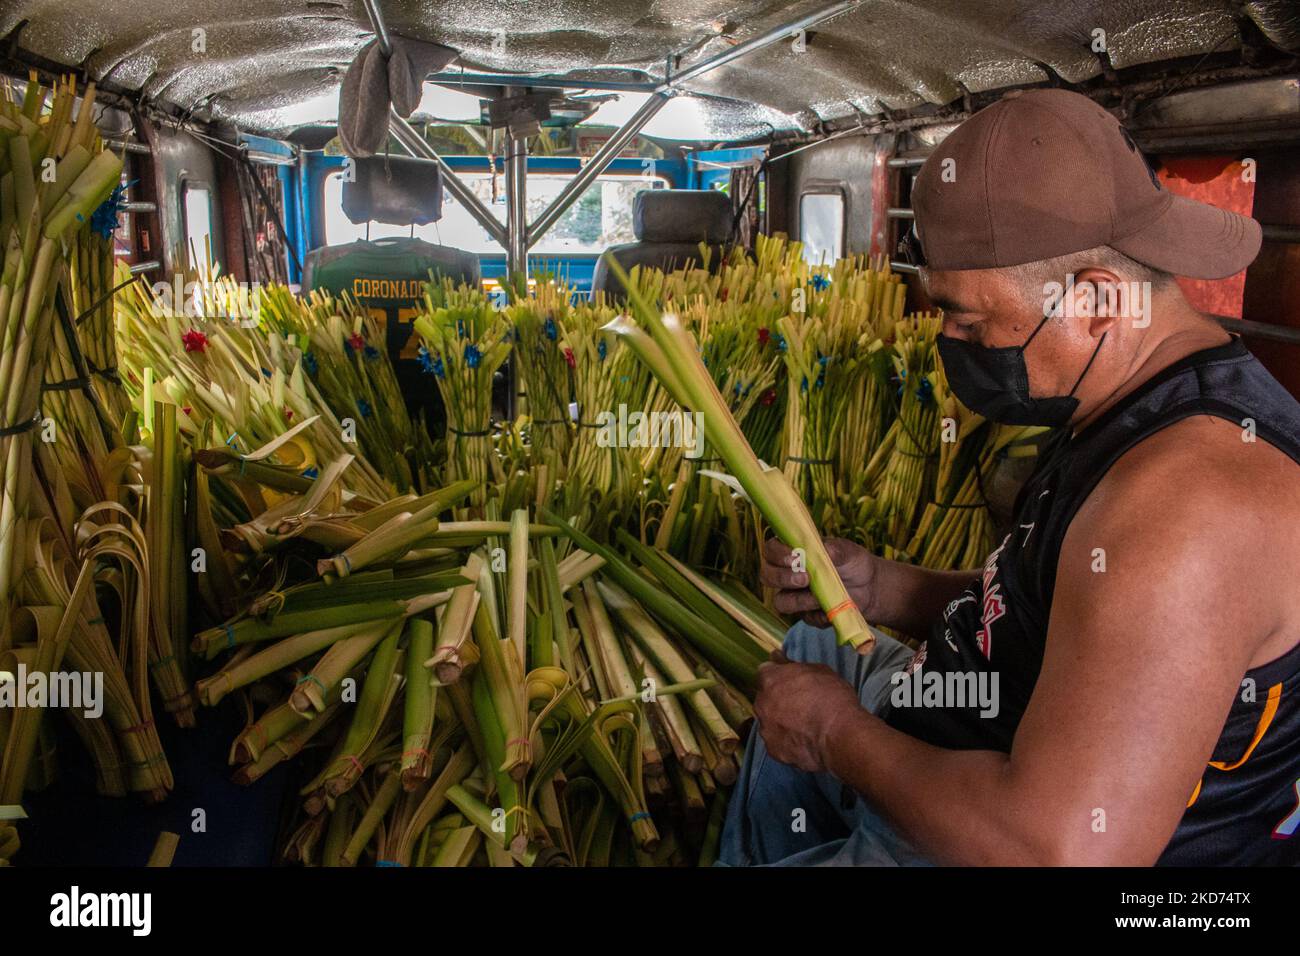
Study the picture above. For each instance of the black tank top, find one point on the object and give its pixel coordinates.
(1246, 808)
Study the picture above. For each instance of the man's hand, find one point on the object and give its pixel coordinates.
(798, 706)
(856, 565)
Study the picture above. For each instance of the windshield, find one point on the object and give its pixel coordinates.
(601, 217)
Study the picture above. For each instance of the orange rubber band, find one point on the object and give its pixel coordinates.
(839, 608)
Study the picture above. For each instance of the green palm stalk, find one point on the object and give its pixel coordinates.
(671, 353)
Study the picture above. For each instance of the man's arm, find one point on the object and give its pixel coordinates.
(1141, 665)
(889, 593)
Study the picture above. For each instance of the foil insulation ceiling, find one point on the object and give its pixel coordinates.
(270, 65)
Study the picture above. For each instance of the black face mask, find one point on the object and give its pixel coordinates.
(995, 382)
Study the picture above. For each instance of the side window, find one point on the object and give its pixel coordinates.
(197, 200)
(821, 226)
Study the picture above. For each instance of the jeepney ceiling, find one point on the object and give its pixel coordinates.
(683, 118)
(272, 65)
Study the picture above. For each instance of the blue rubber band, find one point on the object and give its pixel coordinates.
(315, 680)
(640, 815)
(388, 863)
(230, 636)
(347, 562)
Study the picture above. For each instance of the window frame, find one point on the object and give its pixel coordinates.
(486, 170)
(186, 184)
(839, 191)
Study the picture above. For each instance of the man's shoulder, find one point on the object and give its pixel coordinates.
(1198, 519)
(1201, 497)
(1204, 462)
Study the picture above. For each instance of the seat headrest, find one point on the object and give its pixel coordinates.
(681, 215)
(395, 190)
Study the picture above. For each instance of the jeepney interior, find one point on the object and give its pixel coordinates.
(562, 130)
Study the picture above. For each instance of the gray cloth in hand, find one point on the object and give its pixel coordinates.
(373, 81)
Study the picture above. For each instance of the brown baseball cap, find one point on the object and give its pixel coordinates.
(1044, 173)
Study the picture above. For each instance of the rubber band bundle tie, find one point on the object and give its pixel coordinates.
(839, 609)
(182, 701)
(140, 727)
(898, 409)
(315, 680)
(810, 461)
(639, 815)
(67, 385)
(275, 600)
(10, 430)
(356, 763)
(109, 374)
(984, 498)
(159, 757)
(457, 431)
(90, 310)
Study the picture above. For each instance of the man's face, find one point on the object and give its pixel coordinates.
(992, 309)
(981, 306)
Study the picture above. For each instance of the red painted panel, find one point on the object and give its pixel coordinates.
(881, 196)
(1216, 180)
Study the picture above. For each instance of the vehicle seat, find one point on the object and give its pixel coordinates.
(385, 275)
(669, 225)
(387, 278)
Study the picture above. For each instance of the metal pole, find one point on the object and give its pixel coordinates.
(516, 205)
(595, 166)
(127, 146)
(380, 28)
(459, 80)
(758, 42)
(1259, 330)
(417, 146)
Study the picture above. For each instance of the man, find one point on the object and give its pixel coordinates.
(1140, 622)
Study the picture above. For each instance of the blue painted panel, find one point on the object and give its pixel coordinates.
(707, 169)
